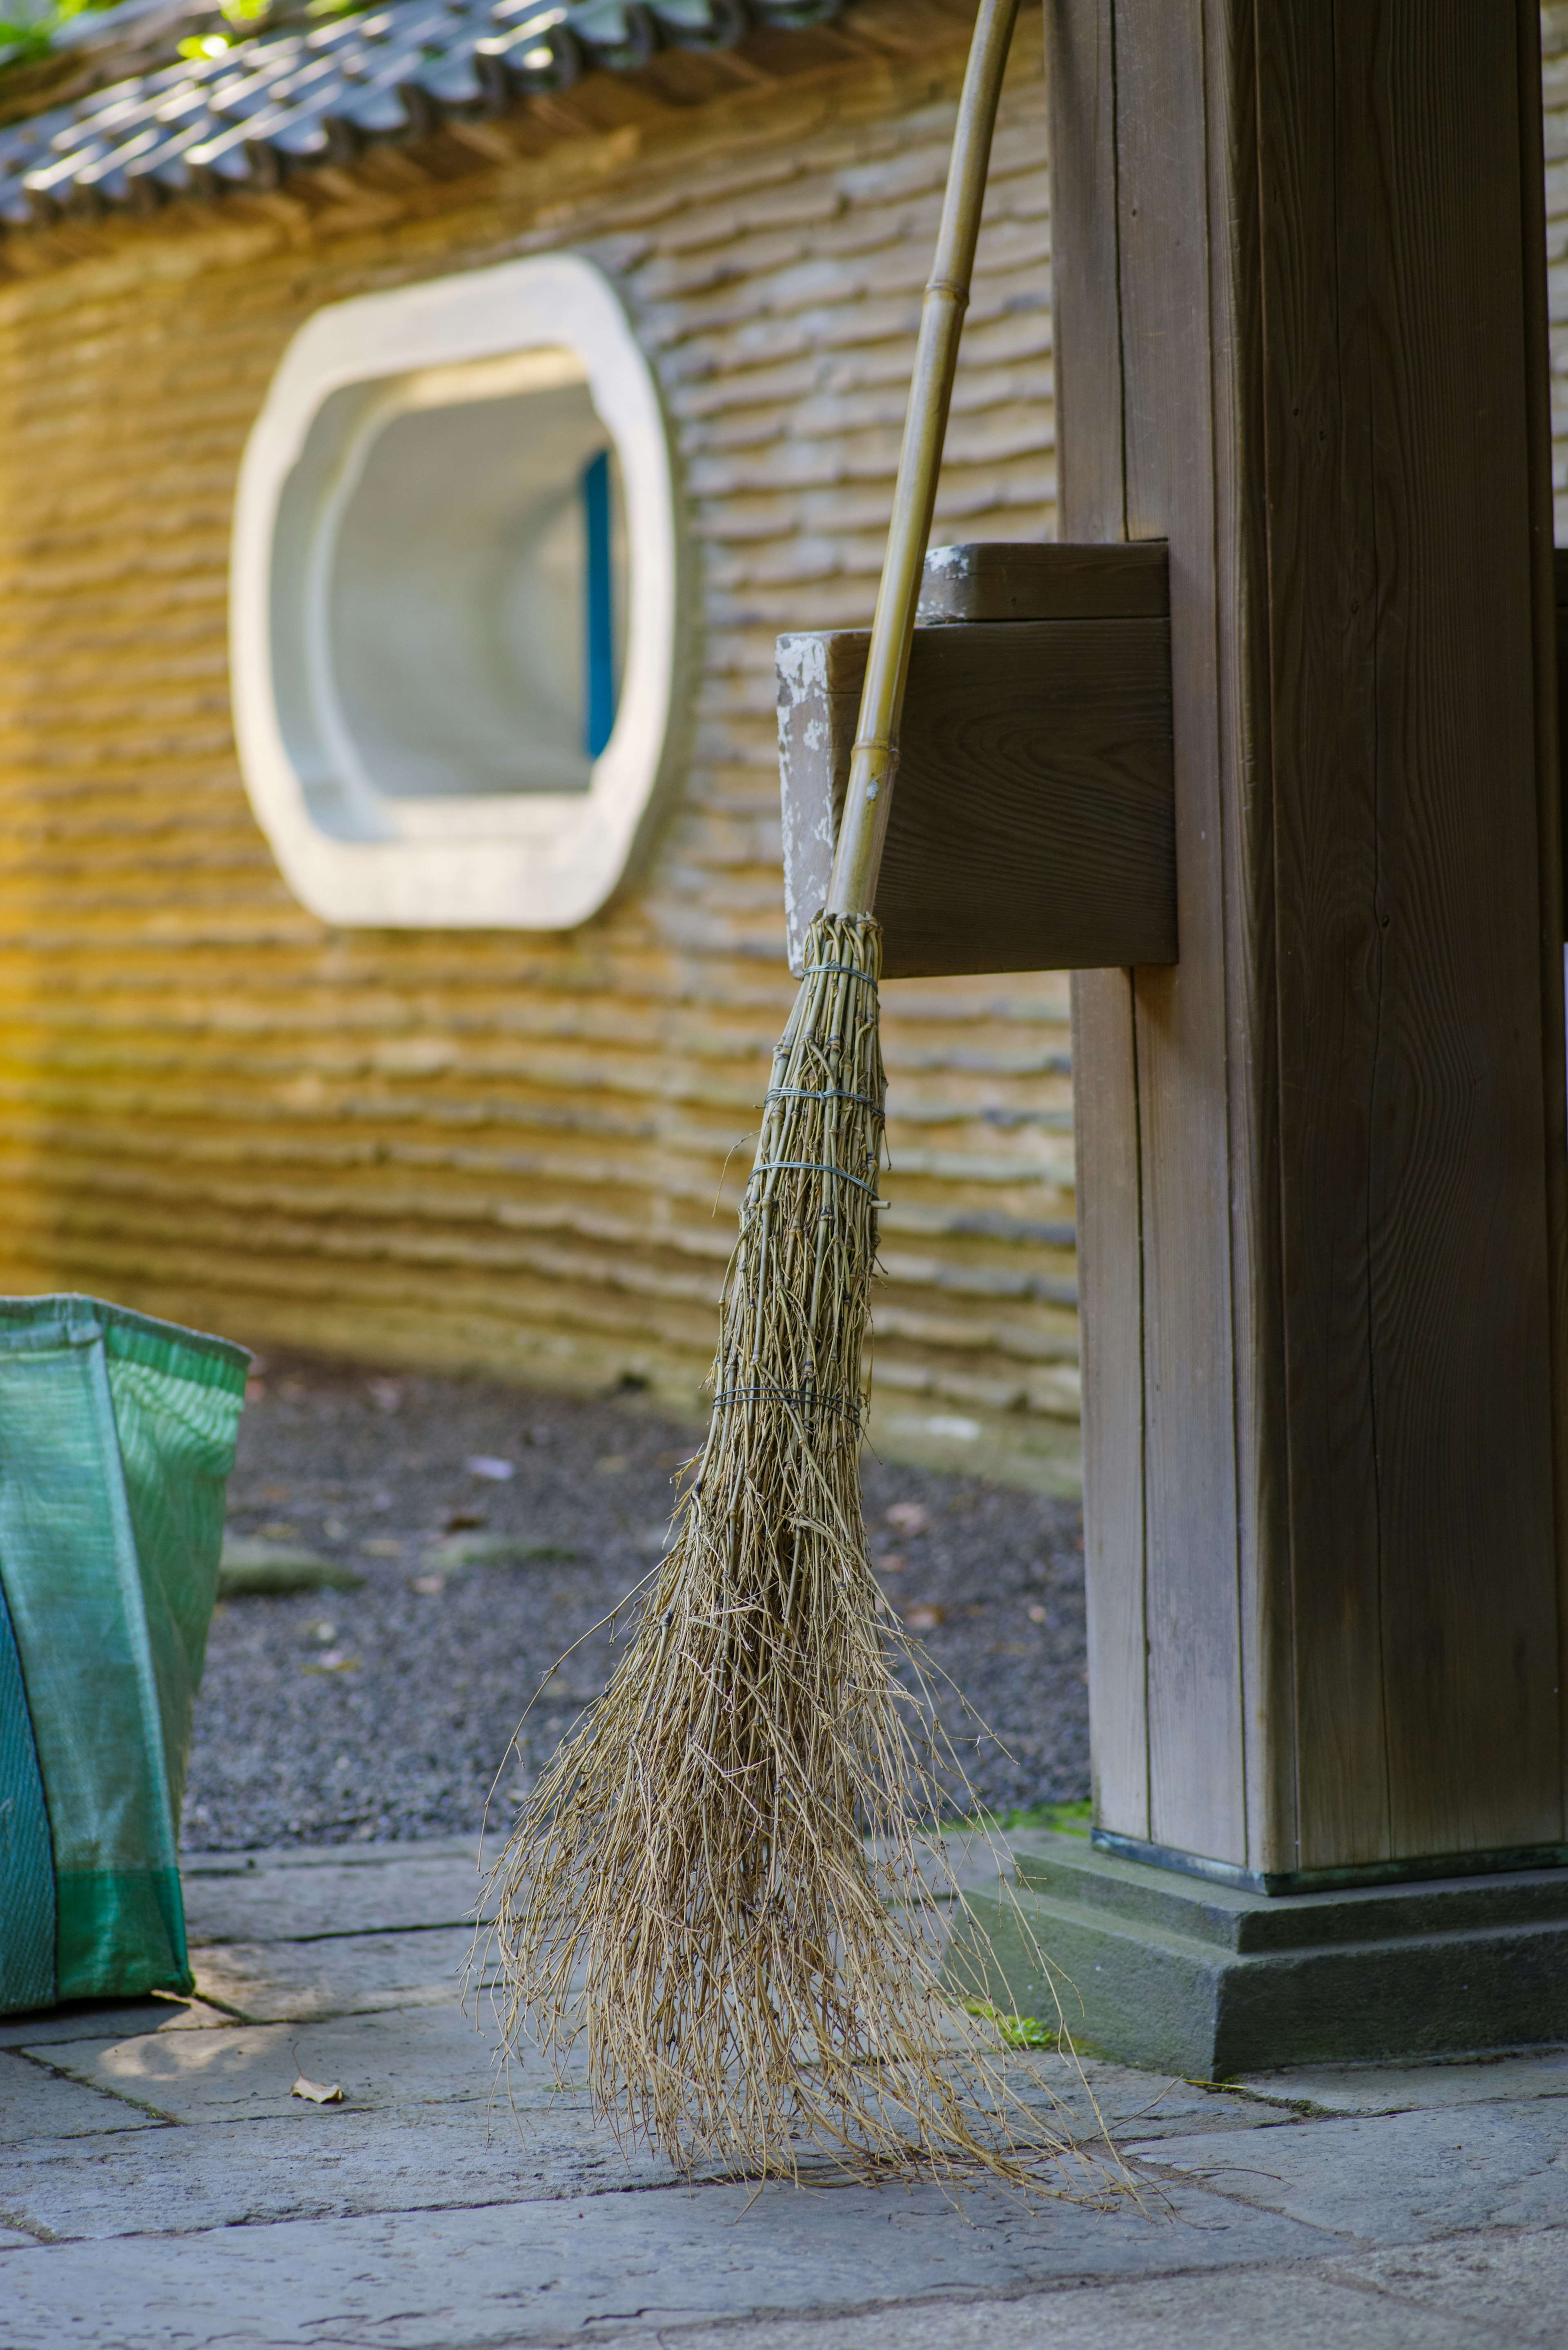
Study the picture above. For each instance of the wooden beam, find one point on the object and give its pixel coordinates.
(1022, 580)
(1560, 578)
(1032, 821)
(1322, 1217)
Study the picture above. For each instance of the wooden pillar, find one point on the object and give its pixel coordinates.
(1300, 283)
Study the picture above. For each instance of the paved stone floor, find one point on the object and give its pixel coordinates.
(160, 2189)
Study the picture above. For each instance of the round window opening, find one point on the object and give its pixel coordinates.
(454, 601)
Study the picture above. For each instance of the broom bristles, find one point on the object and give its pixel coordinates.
(718, 1878)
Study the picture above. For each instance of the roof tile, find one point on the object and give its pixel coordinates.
(298, 97)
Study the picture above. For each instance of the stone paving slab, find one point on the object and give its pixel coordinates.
(409, 2057)
(345, 1974)
(1231, 2311)
(337, 1897)
(35, 2102)
(1394, 2088)
(555, 2271)
(317, 2163)
(101, 2019)
(1401, 2176)
(159, 2189)
(320, 2162)
(285, 1896)
(1518, 2282)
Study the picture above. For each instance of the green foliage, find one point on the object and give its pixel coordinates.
(1014, 2031)
(1067, 1819)
(29, 28)
(29, 31)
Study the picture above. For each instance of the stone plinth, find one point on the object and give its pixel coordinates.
(1167, 1969)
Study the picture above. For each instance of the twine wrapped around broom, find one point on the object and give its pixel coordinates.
(724, 1878)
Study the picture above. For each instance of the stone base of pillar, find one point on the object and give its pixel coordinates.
(1211, 1981)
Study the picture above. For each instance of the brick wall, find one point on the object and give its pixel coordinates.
(509, 1150)
(506, 1149)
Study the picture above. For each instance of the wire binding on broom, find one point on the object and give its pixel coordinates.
(721, 1881)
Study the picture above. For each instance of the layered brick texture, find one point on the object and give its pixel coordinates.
(515, 1151)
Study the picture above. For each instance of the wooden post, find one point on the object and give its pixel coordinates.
(1301, 336)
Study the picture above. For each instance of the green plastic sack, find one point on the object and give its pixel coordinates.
(117, 1435)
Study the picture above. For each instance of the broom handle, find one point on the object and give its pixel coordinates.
(869, 797)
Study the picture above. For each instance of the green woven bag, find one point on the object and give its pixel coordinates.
(117, 1435)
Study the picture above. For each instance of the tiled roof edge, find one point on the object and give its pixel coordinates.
(310, 91)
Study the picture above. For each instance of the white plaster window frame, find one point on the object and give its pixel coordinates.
(536, 860)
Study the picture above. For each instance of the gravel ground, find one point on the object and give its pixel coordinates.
(390, 1712)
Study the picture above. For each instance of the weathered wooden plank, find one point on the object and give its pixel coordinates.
(1344, 1102)
(1559, 583)
(1418, 1350)
(1252, 1074)
(1031, 827)
(1080, 71)
(1024, 579)
(1554, 832)
(1197, 1748)
(1111, 1311)
(1463, 1373)
(1323, 633)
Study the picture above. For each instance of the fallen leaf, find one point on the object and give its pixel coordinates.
(894, 1564)
(459, 1520)
(909, 1517)
(382, 1546)
(315, 2091)
(486, 1464)
(925, 1615)
(276, 1531)
(496, 1550)
(251, 1568)
(429, 1583)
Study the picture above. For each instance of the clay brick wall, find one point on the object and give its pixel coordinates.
(505, 1149)
(509, 1150)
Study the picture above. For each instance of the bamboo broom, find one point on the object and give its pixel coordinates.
(718, 1879)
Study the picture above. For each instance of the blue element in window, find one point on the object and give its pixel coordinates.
(599, 612)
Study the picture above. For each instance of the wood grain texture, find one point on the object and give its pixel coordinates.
(1418, 1351)
(1560, 635)
(1551, 834)
(1196, 1747)
(1343, 1102)
(1080, 73)
(1012, 579)
(1112, 1306)
(1323, 633)
(1242, 709)
(1031, 827)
